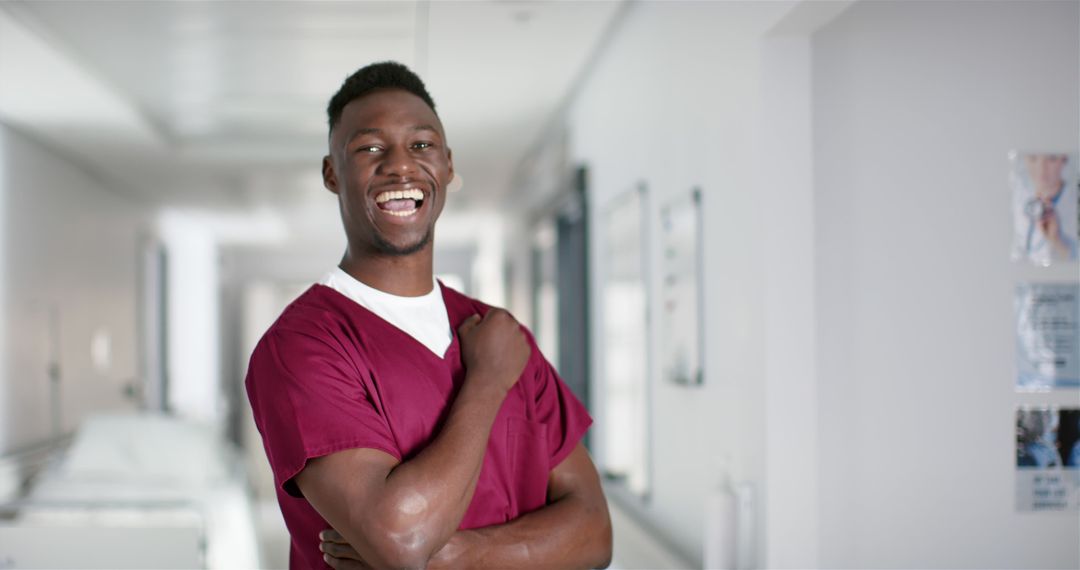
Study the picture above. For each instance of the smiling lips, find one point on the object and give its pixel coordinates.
(400, 203)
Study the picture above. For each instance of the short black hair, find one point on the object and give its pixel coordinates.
(381, 75)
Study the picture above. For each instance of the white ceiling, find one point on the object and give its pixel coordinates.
(223, 103)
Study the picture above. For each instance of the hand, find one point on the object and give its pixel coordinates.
(338, 553)
(494, 348)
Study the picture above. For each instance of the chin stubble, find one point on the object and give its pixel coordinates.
(386, 248)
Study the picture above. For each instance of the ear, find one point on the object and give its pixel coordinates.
(329, 177)
(450, 162)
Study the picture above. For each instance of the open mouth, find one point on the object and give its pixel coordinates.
(400, 203)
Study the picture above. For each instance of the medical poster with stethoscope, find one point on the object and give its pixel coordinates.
(1047, 336)
(1048, 459)
(1046, 229)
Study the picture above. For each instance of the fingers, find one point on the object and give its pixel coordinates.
(336, 550)
(344, 564)
(469, 324)
(495, 314)
(499, 318)
(338, 553)
(331, 535)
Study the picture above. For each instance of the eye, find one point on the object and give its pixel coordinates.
(422, 145)
(368, 149)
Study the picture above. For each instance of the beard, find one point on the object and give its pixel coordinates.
(384, 247)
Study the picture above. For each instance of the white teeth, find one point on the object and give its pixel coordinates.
(410, 194)
(401, 213)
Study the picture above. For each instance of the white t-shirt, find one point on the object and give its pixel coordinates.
(423, 318)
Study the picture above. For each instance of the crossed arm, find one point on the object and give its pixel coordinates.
(572, 531)
(405, 514)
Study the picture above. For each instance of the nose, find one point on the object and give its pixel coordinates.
(398, 161)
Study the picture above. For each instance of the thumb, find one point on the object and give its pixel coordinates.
(469, 324)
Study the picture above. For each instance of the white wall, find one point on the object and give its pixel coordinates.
(915, 106)
(790, 495)
(670, 101)
(67, 247)
(858, 284)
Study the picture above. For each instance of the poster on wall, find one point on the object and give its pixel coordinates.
(1045, 209)
(1048, 459)
(1047, 317)
(680, 328)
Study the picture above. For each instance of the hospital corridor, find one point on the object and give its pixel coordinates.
(801, 276)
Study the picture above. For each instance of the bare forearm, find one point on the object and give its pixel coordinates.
(430, 493)
(569, 533)
(572, 531)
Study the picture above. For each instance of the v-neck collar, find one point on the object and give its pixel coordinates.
(453, 320)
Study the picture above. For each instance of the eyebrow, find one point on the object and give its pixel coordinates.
(375, 131)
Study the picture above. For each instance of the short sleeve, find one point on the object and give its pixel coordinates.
(310, 399)
(558, 408)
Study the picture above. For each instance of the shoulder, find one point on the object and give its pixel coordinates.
(312, 311)
(315, 322)
(317, 301)
(463, 305)
(458, 302)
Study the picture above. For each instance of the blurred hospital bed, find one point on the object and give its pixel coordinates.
(135, 491)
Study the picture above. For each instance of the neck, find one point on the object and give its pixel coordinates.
(404, 276)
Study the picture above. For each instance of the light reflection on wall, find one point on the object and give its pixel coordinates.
(191, 314)
(192, 242)
(3, 296)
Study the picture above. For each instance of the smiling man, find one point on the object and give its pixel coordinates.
(408, 425)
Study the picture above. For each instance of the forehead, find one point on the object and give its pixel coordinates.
(386, 109)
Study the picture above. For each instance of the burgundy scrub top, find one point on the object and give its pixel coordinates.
(331, 375)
